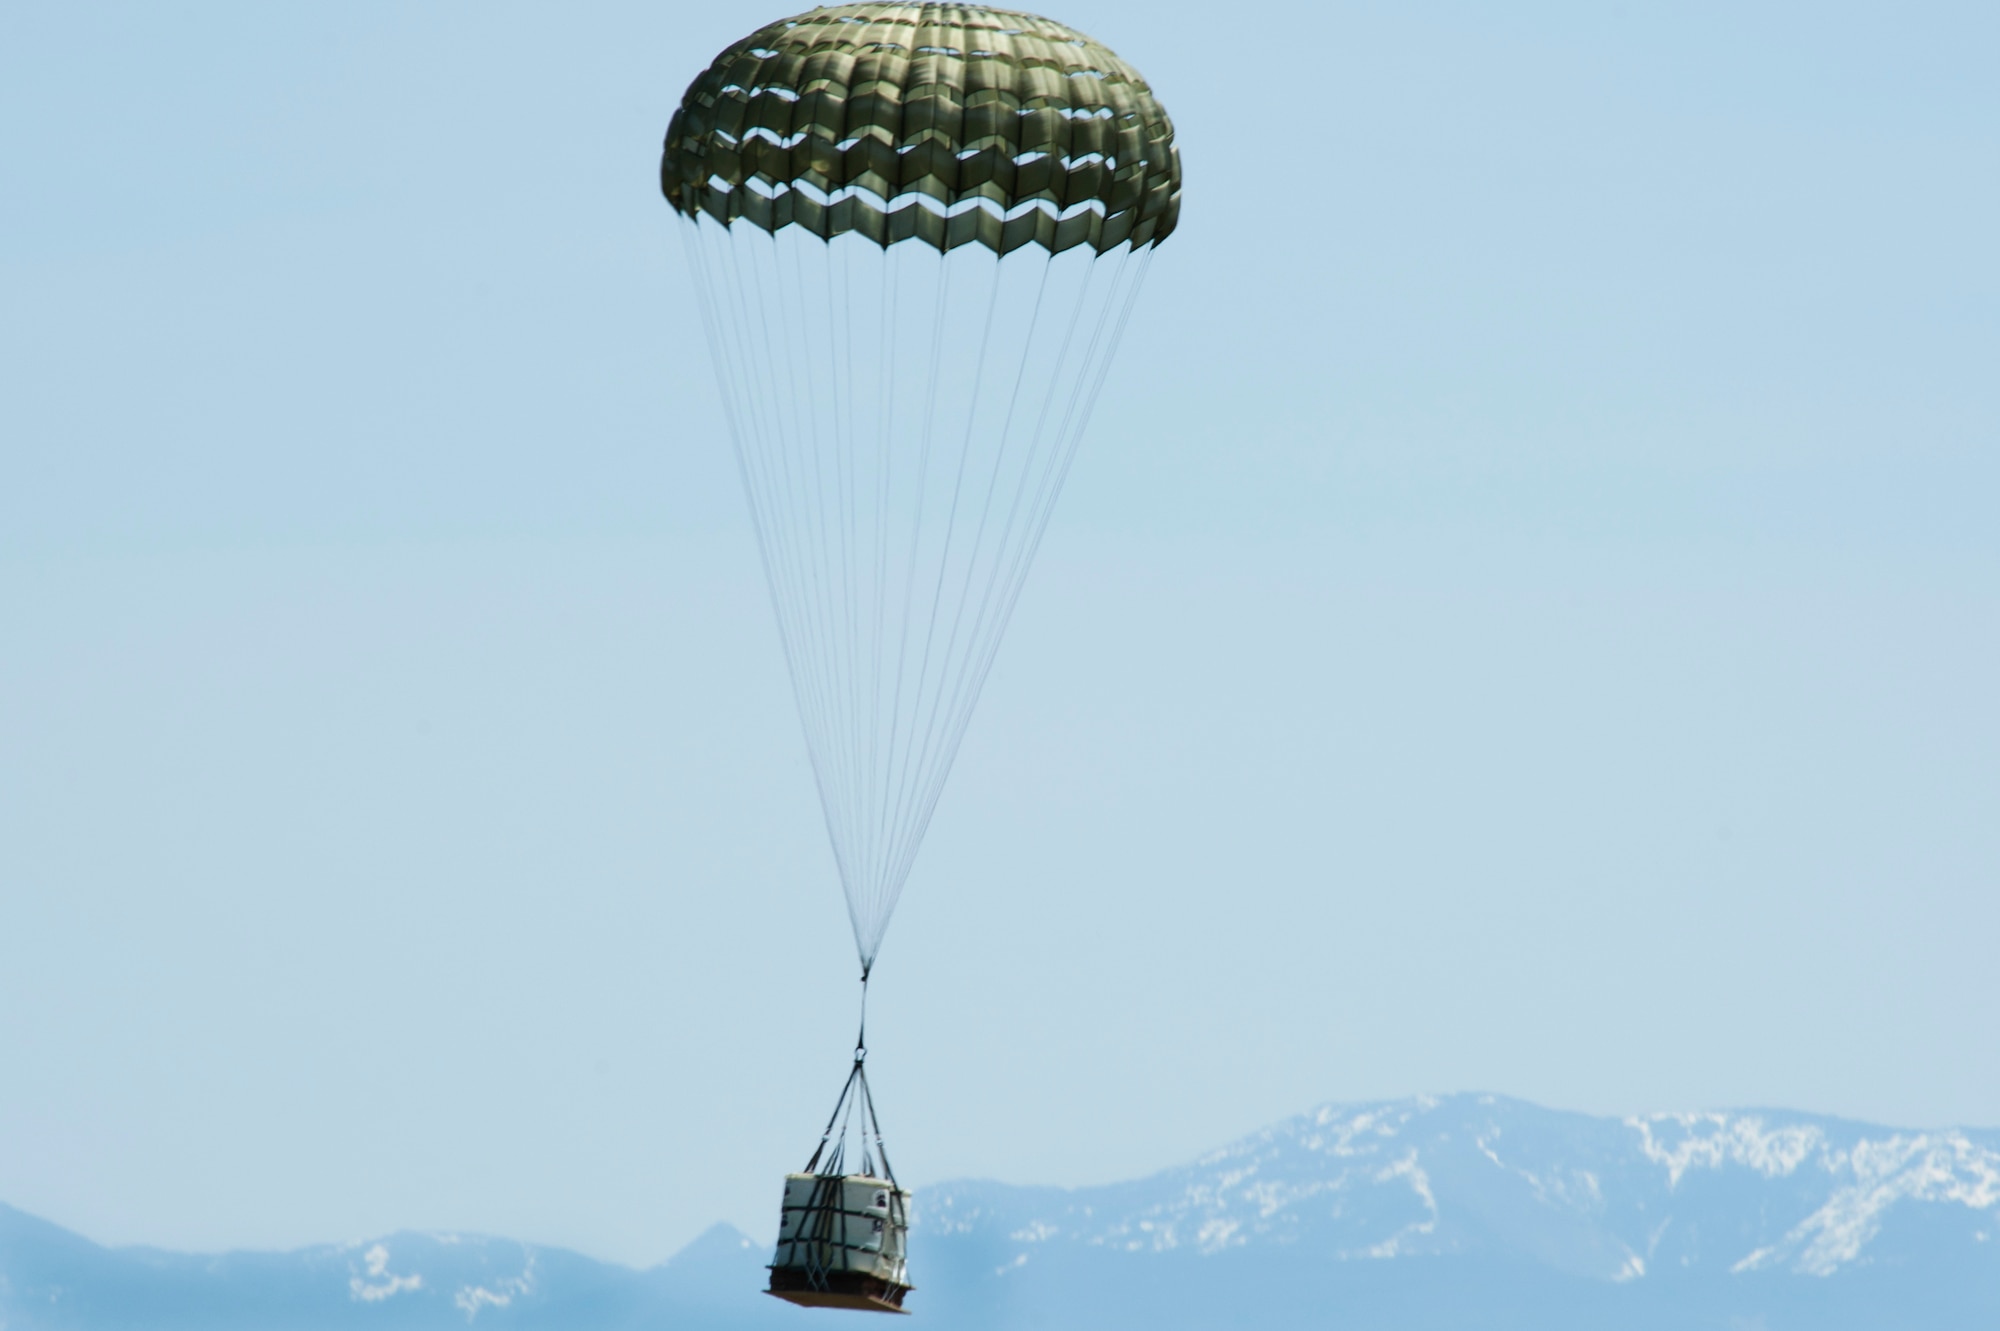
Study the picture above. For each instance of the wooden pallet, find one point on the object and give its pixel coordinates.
(837, 1289)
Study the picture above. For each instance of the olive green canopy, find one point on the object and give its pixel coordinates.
(947, 124)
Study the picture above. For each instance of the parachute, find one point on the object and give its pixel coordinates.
(917, 232)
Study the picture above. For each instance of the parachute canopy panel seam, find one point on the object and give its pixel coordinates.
(946, 124)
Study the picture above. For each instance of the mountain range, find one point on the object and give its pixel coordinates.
(1461, 1212)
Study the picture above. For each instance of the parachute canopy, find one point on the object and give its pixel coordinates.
(917, 231)
(947, 124)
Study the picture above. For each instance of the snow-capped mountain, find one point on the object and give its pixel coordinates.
(1460, 1212)
(1480, 1175)
(50, 1278)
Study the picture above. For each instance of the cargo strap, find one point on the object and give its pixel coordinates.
(855, 1097)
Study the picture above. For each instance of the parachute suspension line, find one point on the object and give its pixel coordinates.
(742, 401)
(861, 1033)
(799, 585)
(879, 887)
(815, 613)
(858, 543)
(891, 334)
(776, 499)
(762, 459)
(1008, 580)
(775, 488)
(1096, 368)
(861, 1072)
(833, 526)
(974, 667)
(853, 1115)
(915, 770)
(825, 617)
(888, 331)
(842, 336)
(925, 757)
(757, 440)
(1093, 370)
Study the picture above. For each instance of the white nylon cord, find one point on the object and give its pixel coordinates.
(903, 422)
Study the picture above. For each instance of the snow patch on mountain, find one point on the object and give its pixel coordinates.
(1411, 1172)
(501, 1293)
(1683, 1142)
(1944, 1168)
(377, 1283)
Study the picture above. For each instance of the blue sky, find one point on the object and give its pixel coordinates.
(1524, 619)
